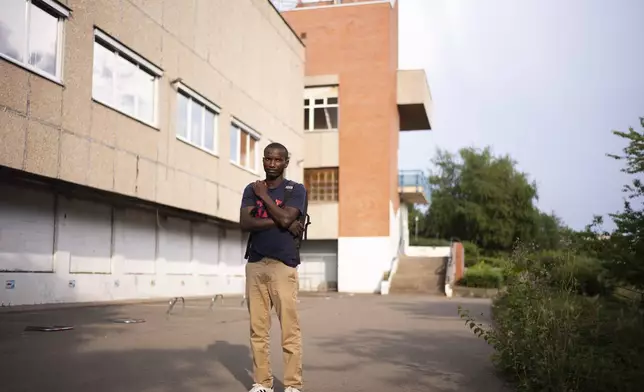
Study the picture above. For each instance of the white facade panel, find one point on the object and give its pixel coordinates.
(135, 241)
(175, 246)
(362, 262)
(205, 248)
(318, 270)
(106, 253)
(26, 230)
(232, 255)
(85, 235)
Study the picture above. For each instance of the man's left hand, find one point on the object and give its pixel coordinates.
(260, 188)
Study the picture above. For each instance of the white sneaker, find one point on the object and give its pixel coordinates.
(260, 388)
(291, 389)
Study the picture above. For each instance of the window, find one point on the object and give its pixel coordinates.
(196, 119)
(321, 184)
(31, 35)
(124, 80)
(321, 109)
(243, 146)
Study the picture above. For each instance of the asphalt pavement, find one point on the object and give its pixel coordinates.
(351, 343)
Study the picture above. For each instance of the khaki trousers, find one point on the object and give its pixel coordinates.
(272, 283)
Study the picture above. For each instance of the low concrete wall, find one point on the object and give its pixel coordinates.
(427, 251)
(474, 292)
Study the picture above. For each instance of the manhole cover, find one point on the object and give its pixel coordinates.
(128, 321)
(48, 328)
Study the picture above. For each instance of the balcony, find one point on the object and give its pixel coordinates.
(414, 100)
(413, 187)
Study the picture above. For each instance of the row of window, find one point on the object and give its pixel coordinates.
(30, 35)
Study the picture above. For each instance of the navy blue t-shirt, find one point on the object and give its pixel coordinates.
(275, 243)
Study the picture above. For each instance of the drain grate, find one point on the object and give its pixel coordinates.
(48, 328)
(128, 321)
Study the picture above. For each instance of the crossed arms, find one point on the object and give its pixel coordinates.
(284, 218)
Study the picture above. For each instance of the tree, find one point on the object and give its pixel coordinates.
(549, 231)
(484, 199)
(625, 246)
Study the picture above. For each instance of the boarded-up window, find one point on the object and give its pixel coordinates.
(322, 184)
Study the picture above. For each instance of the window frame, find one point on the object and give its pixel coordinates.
(325, 93)
(243, 128)
(61, 13)
(122, 51)
(310, 188)
(207, 105)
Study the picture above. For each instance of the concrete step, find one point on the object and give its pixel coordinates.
(421, 275)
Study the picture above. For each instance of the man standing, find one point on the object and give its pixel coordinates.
(269, 211)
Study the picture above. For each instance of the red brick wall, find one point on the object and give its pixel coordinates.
(459, 261)
(395, 121)
(359, 43)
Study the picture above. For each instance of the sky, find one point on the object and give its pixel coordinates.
(545, 81)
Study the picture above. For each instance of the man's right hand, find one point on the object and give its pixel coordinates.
(296, 228)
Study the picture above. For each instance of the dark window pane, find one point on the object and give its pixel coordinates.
(332, 101)
(306, 119)
(319, 119)
(332, 117)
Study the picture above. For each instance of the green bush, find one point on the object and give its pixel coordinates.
(429, 242)
(548, 337)
(482, 275)
(471, 253)
(497, 262)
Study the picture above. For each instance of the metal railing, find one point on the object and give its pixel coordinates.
(286, 5)
(414, 179)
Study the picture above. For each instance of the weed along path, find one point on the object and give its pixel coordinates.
(354, 343)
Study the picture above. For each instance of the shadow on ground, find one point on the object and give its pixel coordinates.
(179, 353)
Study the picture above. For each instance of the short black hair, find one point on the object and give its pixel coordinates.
(278, 146)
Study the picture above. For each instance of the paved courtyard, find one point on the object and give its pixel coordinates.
(351, 343)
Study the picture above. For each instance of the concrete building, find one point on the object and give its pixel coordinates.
(356, 103)
(128, 130)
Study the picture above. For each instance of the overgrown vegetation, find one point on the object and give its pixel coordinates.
(570, 317)
(557, 328)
